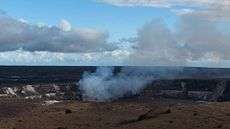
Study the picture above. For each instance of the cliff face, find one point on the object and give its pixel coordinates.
(61, 83)
(194, 89)
(42, 92)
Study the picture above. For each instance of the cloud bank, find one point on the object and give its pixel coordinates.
(194, 42)
(194, 39)
(199, 38)
(21, 57)
(211, 9)
(18, 34)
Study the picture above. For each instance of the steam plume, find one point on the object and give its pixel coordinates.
(105, 85)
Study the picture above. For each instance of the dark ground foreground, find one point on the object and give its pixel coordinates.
(125, 114)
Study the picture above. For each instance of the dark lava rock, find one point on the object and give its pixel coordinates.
(68, 111)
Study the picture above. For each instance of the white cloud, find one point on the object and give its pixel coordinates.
(157, 45)
(106, 58)
(23, 20)
(161, 3)
(18, 34)
(211, 9)
(183, 11)
(65, 25)
(194, 40)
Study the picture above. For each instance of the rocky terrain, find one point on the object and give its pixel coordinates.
(43, 92)
(187, 89)
(61, 83)
(192, 89)
(131, 113)
(50, 98)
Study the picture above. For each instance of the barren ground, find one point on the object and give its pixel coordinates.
(132, 114)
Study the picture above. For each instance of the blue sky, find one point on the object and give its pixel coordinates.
(121, 22)
(88, 32)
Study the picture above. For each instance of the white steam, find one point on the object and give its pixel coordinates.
(105, 85)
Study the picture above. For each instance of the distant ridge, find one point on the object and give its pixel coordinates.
(54, 74)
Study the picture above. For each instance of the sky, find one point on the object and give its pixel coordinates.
(115, 32)
(120, 22)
